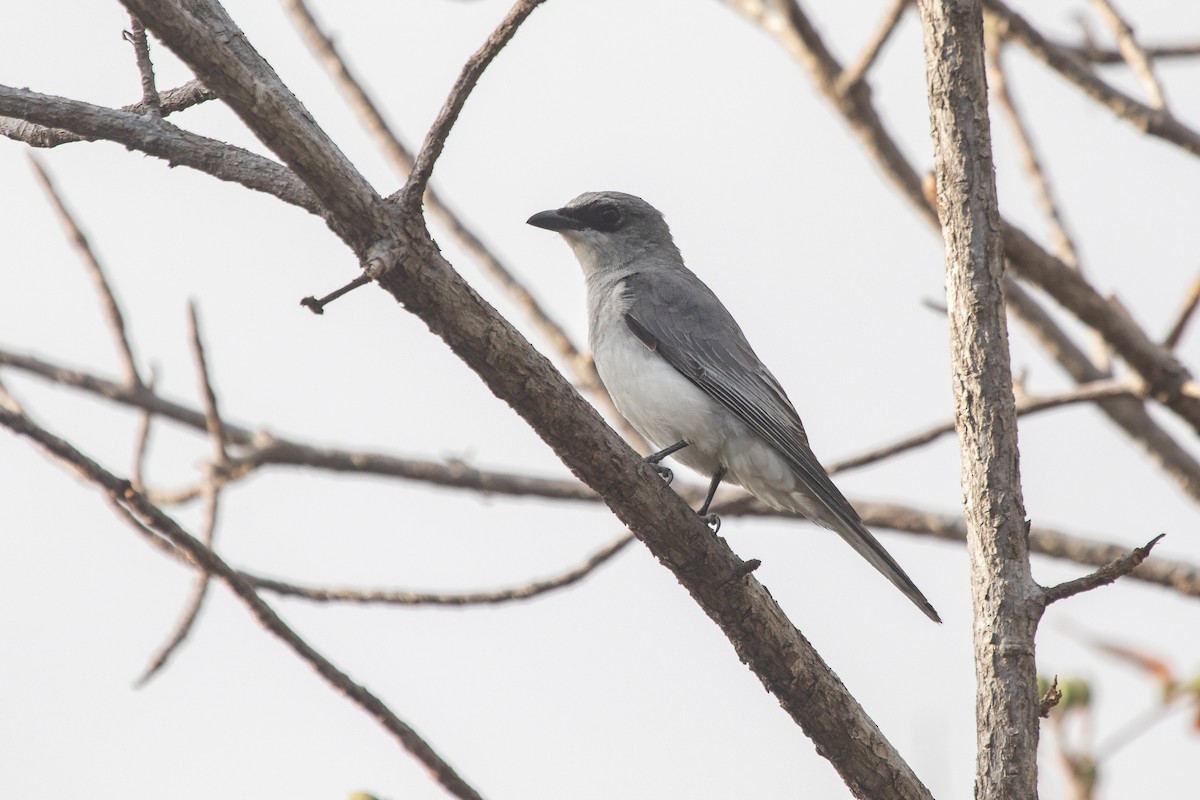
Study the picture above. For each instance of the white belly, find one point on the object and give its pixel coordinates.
(665, 408)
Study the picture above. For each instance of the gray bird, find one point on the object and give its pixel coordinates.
(679, 368)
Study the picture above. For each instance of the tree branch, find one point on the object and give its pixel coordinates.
(526, 592)
(212, 500)
(1132, 52)
(265, 450)
(1155, 122)
(411, 268)
(151, 519)
(435, 140)
(189, 94)
(157, 138)
(1109, 573)
(386, 138)
(1005, 619)
(108, 301)
(1165, 377)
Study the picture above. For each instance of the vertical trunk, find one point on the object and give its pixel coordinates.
(1006, 608)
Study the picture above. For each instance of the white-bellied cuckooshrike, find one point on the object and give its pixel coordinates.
(680, 370)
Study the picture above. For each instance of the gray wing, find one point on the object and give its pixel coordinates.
(678, 316)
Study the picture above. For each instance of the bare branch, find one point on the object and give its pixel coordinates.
(526, 592)
(1064, 244)
(1132, 52)
(142, 439)
(1030, 404)
(1005, 620)
(854, 74)
(1179, 576)
(1165, 377)
(1128, 413)
(1099, 55)
(204, 36)
(149, 517)
(108, 300)
(141, 50)
(191, 93)
(154, 137)
(410, 196)
(401, 157)
(1155, 122)
(1184, 316)
(266, 451)
(212, 497)
(1109, 573)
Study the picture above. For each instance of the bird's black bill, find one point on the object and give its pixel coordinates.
(554, 221)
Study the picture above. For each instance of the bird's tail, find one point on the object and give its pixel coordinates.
(869, 548)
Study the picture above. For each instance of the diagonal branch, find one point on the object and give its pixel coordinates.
(1156, 122)
(1165, 377)
(435, 140)
(108, 300)
(1109, 573)
(154, 522)
(401, 157)
(211, 494)
(855, 73)
(1132, 52)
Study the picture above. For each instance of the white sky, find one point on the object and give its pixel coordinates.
(619, 687)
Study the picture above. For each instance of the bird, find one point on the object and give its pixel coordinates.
(680, 370)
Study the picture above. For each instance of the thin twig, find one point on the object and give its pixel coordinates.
(108, 300)
(1064, 244)
(1132, 52)
(1109, 573)
(1163, 374)
(1050, 699)
(410, 196)
(1184, 317)
(1127, 413)
(854, 74)
(211, 492)
(152, 518)
(525, 592)
(141, 49)
(1101, 55)
(1180, 576)
(1030, 404)
(323, 47)
(141, 440)
(1154, 121)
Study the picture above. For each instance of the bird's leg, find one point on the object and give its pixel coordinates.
(654, 458)
(713, 520)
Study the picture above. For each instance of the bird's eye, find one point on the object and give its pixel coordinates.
(610, 217)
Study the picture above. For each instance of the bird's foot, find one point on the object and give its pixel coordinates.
(712, 521)
(663, 472)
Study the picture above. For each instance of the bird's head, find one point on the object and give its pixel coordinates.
(609, 231)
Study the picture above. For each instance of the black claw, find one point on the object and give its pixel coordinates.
(664, 473)
(712, 521)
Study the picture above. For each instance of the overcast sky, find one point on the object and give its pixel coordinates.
(618, 687)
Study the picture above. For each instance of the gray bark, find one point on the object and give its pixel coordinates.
(1005, 599)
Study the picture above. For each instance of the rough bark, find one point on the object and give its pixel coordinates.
(1004, 596)
(399, 250)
